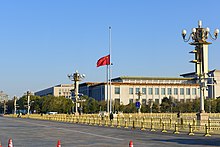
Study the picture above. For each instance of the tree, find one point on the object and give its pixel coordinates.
(144, 108)
(196, 105)
(10, 106)
(165, 105)
(56, 104)
(218, 105)
(130, 108)
(102, 105)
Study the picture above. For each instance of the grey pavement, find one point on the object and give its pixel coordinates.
(39, 133)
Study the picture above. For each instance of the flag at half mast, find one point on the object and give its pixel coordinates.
(103, 61)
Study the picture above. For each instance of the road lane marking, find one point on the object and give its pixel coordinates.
(66, 129)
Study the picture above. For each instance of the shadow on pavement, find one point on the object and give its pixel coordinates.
(204, 141)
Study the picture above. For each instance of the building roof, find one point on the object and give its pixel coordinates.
(124, 80)
(148, 78)
(188, 74)
(151, 84)
(89, 83)
(64, 85)
(194, 73)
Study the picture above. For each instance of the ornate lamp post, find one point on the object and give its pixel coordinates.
(76, 77)
(199, 36)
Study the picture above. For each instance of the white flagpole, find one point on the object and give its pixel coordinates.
(110, 83)
(107, 88)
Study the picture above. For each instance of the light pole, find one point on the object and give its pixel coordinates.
(5, 106)
(76, 77)
(15, 104)
(28, 102)
(199, 36)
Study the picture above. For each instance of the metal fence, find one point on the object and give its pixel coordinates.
(163, 122)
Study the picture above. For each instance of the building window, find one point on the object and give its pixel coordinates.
(163, 91)
(144, 91)
(131, 90)
(144, 101)
(194, 91)
(175, 91)
(156, 91)
(187, 91)
(150, 91)
(131, 101)
(137, 90)
(117, 90)
(169, 91)
(181, 91)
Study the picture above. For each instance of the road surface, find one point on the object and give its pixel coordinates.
(39, 133)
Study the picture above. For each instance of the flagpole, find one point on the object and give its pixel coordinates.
(107, 88)
(110, 83)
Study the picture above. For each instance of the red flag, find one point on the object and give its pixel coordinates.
(103, 61)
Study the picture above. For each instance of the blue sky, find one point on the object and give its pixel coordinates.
(41, 41)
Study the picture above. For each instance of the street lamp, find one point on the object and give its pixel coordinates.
(199, 36)
(76, 77)
(28, 102)
(15, 104)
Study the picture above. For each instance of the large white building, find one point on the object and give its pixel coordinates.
(124, 89)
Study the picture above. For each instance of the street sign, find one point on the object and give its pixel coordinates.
(137, 104)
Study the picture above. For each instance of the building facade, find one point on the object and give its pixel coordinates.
(213, 82)
(58, 90)
(124, 90)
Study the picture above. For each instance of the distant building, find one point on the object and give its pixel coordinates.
(58, 90)
(124, 89)
(3, 96)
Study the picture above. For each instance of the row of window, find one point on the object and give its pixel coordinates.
(157, 101)
(64, 90)
(162, 91)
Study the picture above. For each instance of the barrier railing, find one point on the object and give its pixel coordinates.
(162, 122)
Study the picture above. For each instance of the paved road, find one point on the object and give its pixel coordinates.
(37, 133)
